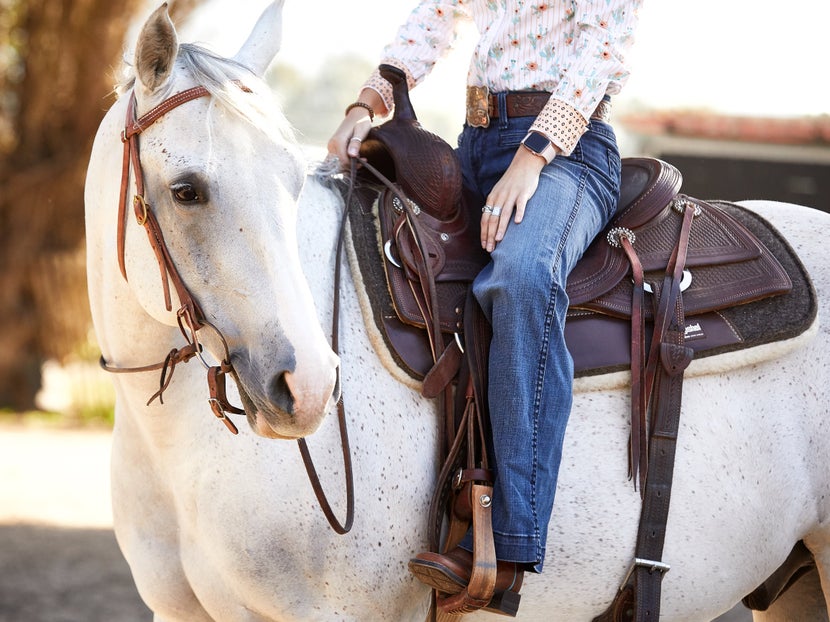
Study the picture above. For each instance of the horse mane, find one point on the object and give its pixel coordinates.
(222, 78)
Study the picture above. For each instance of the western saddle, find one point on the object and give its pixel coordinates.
(664, 256)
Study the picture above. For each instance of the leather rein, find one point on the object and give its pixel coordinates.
(190, 316)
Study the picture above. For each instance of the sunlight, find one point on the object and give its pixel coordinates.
(733, 57)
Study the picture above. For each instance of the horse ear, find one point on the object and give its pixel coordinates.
(157, 48)
(264, 41)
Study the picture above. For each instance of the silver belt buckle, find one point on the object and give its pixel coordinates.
(478, 106)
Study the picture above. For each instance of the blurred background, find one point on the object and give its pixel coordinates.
(733, 93)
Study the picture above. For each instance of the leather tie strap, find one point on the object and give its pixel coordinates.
(638, 444)
(662, 379)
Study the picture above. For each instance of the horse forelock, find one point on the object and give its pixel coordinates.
(229, 83)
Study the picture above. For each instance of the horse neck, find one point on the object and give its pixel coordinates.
(318, 223)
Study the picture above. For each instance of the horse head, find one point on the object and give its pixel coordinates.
(222, 177)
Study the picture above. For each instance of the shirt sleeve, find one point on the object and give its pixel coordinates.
(601, 33)
(426, 36)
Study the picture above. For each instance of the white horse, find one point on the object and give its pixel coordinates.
(222, 527)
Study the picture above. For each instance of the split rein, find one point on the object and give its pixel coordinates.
(190, 316)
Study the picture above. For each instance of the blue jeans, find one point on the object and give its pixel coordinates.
(522, 292)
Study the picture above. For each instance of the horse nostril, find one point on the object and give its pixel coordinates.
(280, 393)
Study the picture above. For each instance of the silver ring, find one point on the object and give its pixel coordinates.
(486, 209)
(360, 140)
(497, 211)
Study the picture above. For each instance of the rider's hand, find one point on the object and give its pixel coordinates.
(511, 192)
(345, 142)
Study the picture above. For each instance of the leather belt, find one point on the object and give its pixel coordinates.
(483, 106)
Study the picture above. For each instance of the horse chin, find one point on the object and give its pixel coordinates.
(259, 424)
(264, 425)
(256, 419)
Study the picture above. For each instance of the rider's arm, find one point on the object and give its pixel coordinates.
(591, 66)
(426, 36)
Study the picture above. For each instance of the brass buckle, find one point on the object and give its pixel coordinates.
(142, 217)
(478, 106)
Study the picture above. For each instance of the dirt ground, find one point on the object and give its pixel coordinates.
(59, 561)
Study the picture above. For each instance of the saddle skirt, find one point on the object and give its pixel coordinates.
(746, 287)
(735, 262)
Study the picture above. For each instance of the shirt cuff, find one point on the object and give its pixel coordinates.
(382, 87)
(563, 124)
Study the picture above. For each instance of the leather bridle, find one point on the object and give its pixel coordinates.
(190, 316)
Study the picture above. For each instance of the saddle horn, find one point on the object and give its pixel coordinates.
(423, 164)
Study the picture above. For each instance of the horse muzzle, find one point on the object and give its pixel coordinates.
(292, 404)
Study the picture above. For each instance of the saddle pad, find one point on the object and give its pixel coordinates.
(600, 343)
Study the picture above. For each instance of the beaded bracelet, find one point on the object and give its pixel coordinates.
(362, 105)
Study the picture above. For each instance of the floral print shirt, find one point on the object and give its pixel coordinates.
(574, 49)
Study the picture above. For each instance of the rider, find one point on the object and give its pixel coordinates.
(540, 156)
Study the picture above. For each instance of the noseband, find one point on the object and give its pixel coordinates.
(190, 316)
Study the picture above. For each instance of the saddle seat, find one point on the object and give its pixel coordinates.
(647, 187)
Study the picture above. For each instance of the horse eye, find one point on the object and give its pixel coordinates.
(186, 193)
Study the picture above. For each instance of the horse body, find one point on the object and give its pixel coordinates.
(739, 499)
(217, 527)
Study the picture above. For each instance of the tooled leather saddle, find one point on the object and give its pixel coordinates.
(652, 291)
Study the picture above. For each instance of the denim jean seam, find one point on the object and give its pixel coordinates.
(504, 118)
(550, 313)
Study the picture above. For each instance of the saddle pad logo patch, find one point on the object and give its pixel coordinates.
(694, 331)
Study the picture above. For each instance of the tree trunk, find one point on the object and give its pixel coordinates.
(51, 102)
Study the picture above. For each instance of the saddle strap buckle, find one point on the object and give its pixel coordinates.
(219, 412)
(218, 399)
(652, 566)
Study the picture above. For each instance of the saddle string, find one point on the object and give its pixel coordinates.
(431, 315)
(471, 484)
(640, 591)
(433, 327)
(638, 441)
(190, 317)
(424, 267)
(644, 394)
